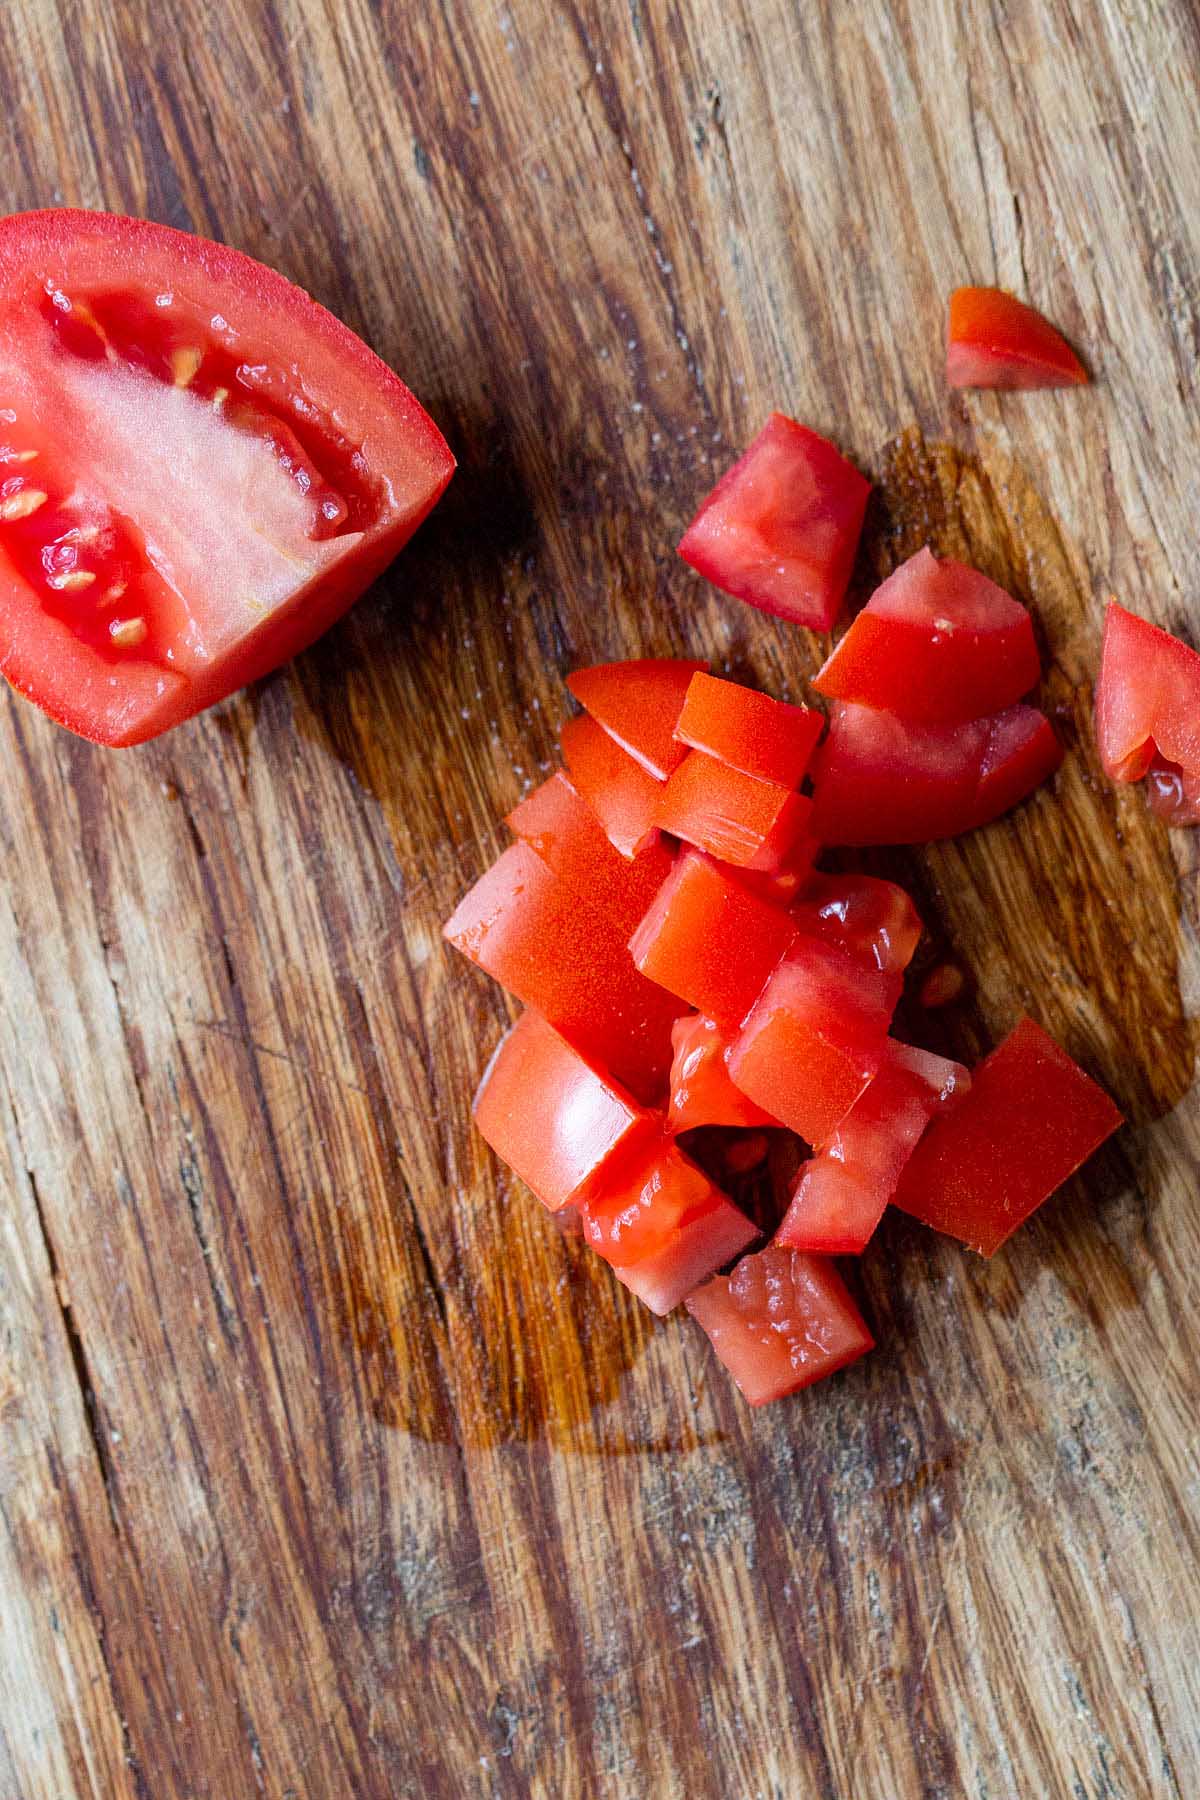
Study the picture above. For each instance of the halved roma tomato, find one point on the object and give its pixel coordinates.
(662, 1225)
(1031, 1118)
(815, 1037)
(638, 704)
(554, 1116)
(618, 790)
(749, 730)
(201, 470)
(879, 780)
(737, 818)
(558, 823)
(938, 643)
(562, 955)
(873, 919)
(997, 341)
(781, 528)
(781, 1321)
(1148, 712)
(702, 1091)
(843, 1192)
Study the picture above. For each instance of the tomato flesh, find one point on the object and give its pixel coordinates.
(749, 731)
(842, 1193)
(780, 530)
(557, 823)
(201, 470)
(874, 919)
(1031, 1118)
(638, 704)
(702, 1090)
(620, 793)
(781, 1321)
(1148, 713)
(938, 643)
(781, 886)
(880, 780)
(997, 341)
(738, 818)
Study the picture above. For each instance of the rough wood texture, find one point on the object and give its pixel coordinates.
(327, 1468)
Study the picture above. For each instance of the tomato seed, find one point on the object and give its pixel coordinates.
(185, 364)
(127, 633)
(73, 580)
(19, 506)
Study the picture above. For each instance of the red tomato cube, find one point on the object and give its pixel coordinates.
(1148, 712)
(737, 818)
(708, 940)
(938, 643)
(553, 1116)
(618, 790)
(749, 730)
(556, 822)
(781, 1321)
(562, 956)
(815, 1038)
(997, 341)
(878, 780)
(638, 704)
(1031, 1118)
(702, 1092)
(781, 529)
(842, 1193)
(875, 920)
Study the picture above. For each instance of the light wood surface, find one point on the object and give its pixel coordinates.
(327, 1468)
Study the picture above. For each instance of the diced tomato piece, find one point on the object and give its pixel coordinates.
(879, 780)
(875, 920)
(702, 1092)
(562, 956)
(1148, 712)
(638, 704)
(558, 823)
(843, 1192)
(200, 470)
(553, 1116)
(749, 730)
(815, 1037)
(737, 818)
(662, 1225)
(781, 886)
(781, 528)
(618, 790)
(938, 643)
(781, 1321)
(1031, 1118)
(997, 341)
(710, 941)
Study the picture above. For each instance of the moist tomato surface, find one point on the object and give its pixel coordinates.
(200, 470)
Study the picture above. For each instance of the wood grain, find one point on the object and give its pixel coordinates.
(328, 1467)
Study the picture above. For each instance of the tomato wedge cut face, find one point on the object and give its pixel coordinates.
(201, 470)
(781, 1321)
(997, 341)
(1148, 713)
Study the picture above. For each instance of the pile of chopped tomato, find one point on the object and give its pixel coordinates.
(687, 969)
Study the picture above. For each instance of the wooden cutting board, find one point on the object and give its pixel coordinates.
(327, 1467)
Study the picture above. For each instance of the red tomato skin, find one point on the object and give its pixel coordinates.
(842, 1193)
(553, 1116)
(556, 822)
(780, 530)
(620, 793)
(749, 731)
(938, 644)
(780, 1322)
(120, 705)
(711, 942)
(638, 704)
(1031, 1118)
(702, 1092)
(1147, 698)
(815, 1038)
(997, 341)
(737, 818)
(879, 780)
(874, 920)
(561, 956)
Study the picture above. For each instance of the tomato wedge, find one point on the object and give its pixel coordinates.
(638, 704)
(1031, 1118)
(556, 822)
(781, 1321)
(843, 1192)
(620, 793)
(201, 470)
(938, 643)
(702, 1091)
(1148, 712)
(737, 818)
(997, 341)
(874, 919)
(553, 1116)
(879, 780)
(780, 530)
(748, 730)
